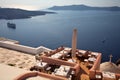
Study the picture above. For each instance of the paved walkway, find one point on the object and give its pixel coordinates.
(9, 72)
(16, 58)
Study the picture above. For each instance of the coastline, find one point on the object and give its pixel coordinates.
(15, 13)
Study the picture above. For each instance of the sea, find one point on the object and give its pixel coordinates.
(98, 31)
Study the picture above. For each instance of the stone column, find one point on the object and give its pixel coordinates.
(74, 43)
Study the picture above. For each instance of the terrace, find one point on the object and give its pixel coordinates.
(59, 62)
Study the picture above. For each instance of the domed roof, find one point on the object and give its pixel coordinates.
(109, 67)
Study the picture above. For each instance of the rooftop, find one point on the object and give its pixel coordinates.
(25, 61)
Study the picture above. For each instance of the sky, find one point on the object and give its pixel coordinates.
(43, 4)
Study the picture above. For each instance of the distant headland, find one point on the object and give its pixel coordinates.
(13, 13)
(84, 7)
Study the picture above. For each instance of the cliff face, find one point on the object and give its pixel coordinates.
(12, 13)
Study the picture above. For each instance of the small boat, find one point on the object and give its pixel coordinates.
(11, 25)
(103, 41)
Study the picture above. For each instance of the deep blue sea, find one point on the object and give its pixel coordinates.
(97, 31)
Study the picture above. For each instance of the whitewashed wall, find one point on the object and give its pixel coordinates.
(11, 45)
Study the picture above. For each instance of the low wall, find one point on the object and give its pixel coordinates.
(41, 49)
(77, 69)
(56, 61)
(93, 71)
(33, 74)
(117, 76)
(96, 65)
(26, 75)
(93, 74)
(22, 48)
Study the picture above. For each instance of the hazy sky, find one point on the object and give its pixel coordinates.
(42, 4)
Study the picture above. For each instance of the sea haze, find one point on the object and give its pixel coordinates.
(97, 31)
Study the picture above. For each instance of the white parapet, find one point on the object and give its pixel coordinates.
(14, 46)
(41, 49)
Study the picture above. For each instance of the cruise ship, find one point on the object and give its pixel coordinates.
(11, 25)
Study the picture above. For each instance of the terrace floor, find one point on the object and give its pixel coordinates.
(9, 72)
(25, 61)
(16, 58)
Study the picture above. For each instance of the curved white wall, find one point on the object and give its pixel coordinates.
(11, 45)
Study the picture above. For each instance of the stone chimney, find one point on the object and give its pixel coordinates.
(74, 43)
